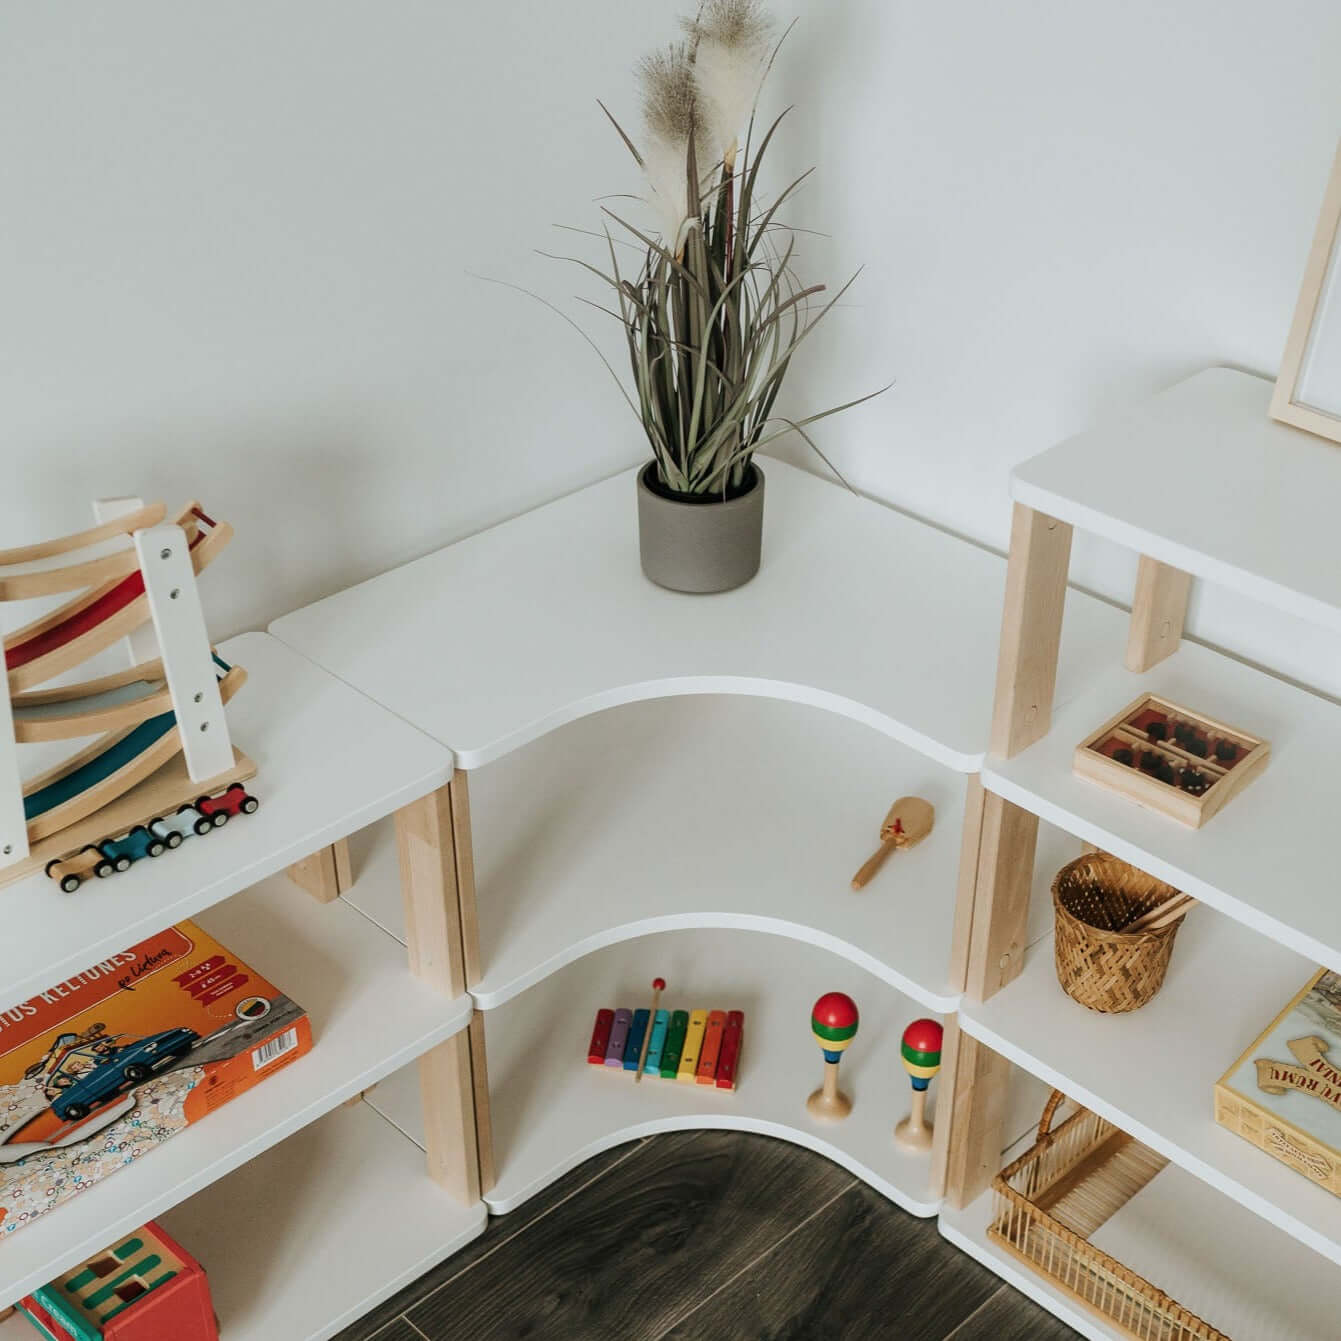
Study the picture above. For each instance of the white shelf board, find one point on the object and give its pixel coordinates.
(1267, 859)
(1202, 478)
(1153, 1071)
(369, 1017)
(712, 813)
(552, 1109)
(321, 1229)
(858, 609)
(1235, 1271)
(329, 761)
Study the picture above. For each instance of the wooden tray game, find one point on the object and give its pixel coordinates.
(1171, 759)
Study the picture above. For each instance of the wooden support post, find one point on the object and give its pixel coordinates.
(326, 874)
(975, 1121)
(966, 893)
(945, 1094)
(1158, 610)
(1006, 848)
(438, 885)
(1031, 630)
(446, 1092)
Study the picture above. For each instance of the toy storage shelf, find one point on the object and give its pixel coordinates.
(1234, 1270)
(329, 762)
(552, 1110)
(319, 1230)
(1153, 1071)
(716, 813)
(369, 1017)
(295, 1254)
(496, 640)
(1202, 478)
(1268, 859)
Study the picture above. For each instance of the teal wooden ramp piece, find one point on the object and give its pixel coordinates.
(660, 1026)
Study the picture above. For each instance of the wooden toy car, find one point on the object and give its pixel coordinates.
(71, 872)
(200, 824)
(174, 829)
(131, 847)
(235, 801)
(145, 1287)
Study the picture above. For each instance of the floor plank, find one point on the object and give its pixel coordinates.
(500, 1230)
(858, 1268)
(626, 1258)
(1011, 1316)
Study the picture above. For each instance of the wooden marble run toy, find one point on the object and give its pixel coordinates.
(920, 1052)
(833, 1022)
(162, 765)
(694, 1047)
(144, 1288)
(909, 821)
(1170, 759)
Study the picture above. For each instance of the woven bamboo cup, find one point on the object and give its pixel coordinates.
(1098, 965)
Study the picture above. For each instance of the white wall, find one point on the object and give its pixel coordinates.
(235, 245)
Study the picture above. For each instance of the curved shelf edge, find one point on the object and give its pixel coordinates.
(502, 1204)
(468, 758)
(489, 998)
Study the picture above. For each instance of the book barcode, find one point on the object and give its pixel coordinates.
(277, 1047)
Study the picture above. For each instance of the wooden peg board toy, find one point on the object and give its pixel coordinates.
(1171, 759)
(144, 1288)
(693, 1047)
(161, 766)
(909, 821)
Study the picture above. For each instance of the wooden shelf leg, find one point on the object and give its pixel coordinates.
(442, 934)
(1031, 630)
(1158, 611)
(1009, 836)
(325, 874)
(961, 937)
(975, 1122)
(447, 1093)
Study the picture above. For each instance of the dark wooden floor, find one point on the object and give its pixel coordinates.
(709, 1236)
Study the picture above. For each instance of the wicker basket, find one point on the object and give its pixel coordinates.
(1098, 966)
(1048, 1202)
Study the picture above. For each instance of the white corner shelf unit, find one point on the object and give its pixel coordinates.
(284, 1155)
(615, 822)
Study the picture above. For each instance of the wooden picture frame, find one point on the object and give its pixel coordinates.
(1308, 390)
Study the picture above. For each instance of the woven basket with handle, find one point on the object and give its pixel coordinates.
(1099, 965)
(1047, 1203)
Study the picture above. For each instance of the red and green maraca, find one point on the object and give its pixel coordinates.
(833, 1022)
(920, 1052)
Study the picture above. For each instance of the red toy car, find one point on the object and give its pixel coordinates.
(235, 801)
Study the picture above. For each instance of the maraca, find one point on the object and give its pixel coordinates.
(920, 1052)
(833, 1022)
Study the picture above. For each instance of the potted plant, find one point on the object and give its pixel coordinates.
(713, 312)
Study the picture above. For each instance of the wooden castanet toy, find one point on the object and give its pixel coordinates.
(920, 1052)
(833, 1022)
(909, 821)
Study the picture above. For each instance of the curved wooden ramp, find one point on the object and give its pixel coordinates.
(113, 765)
(96, 619)
(84, 559)
(111, 703)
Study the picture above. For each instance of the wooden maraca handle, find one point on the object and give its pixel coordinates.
(875, 861)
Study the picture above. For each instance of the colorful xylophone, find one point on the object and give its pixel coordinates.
(692, 1046)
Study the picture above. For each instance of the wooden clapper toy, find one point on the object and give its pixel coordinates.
(162, 737)
(909, 821)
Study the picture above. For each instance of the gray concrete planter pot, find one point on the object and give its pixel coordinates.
(699, 546)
